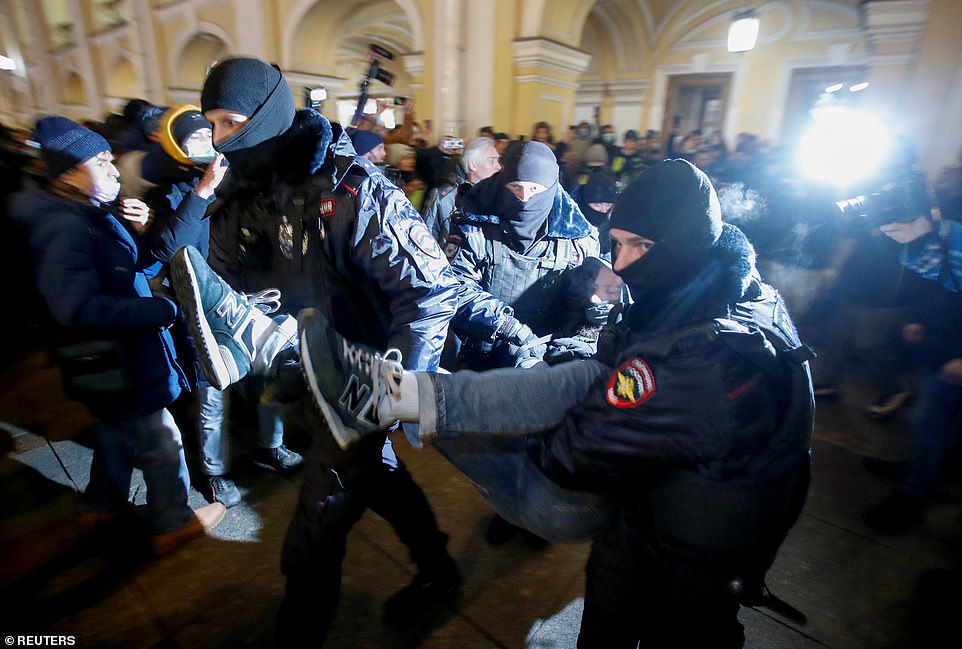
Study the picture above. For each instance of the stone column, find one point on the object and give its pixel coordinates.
(448, 67)
(547, 76)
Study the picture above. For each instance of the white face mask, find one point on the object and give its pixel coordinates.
(199, 146)
(97, 178)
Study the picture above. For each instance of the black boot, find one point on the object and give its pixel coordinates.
(429, 589)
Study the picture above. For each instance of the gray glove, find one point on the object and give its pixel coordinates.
(514, 331)
(562, 350)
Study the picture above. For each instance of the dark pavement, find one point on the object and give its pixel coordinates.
(858, 588)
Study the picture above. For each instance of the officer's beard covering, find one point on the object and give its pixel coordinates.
(674, 205)
(251, 87)
(531, 162)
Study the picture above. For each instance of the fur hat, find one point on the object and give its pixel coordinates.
(64, 143)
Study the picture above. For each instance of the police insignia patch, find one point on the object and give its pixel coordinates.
(422, 239)
(631, 385)
(327, 207)
(452, 246)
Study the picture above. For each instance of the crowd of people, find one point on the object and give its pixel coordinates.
(361, 281)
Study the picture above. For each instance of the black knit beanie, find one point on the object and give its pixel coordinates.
(674, 205)
(64, 143)
(187, 124)
(253, 88)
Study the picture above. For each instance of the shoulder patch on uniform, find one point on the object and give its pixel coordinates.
(631, 385)
(327, 207)
(452, 245)
(422, 239)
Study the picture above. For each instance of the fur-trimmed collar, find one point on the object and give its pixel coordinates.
(313, 144)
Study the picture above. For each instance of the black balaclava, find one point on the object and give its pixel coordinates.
(532, 162)
(254, 88)
(600, 188)
(674, 205)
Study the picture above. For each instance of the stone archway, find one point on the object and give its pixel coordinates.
(198, 52)
(330, 41)
(74, 91)
(124, 80)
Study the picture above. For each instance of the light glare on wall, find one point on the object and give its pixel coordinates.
(743, 31)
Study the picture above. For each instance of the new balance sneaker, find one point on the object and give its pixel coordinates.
(226, 328)
(346, 379)
(224, 491)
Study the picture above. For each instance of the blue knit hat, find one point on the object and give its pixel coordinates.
(364, 141)
(64, 143)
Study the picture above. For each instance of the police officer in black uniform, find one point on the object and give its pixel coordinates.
(303, 214)
(701, 432)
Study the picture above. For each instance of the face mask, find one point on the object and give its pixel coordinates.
(105, 190)
(608, 138)
(199, 149)
(583, 132)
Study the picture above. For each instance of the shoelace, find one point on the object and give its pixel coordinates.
(386, 372)
(267, 301)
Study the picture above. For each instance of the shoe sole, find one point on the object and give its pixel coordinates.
(343, 435)
(211, 360)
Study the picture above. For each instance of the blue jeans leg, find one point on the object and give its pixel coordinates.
(482, 418)
(933, 419)
(214, 444)
(160, 450)
(110, 469)
(271, 424)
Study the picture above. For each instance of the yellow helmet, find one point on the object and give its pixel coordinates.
(168, 123)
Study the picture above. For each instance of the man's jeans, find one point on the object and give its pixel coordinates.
(482, 418)
(156, 442)
(214, 444)
(933, 422)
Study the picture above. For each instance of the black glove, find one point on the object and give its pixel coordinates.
(562, 350)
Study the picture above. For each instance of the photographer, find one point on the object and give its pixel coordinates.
(931, 249)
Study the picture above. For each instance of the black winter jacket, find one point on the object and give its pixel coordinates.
(328, 227)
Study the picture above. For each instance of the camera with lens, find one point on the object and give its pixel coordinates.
(894, 202)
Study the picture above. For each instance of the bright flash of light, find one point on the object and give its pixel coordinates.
(842, 146)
